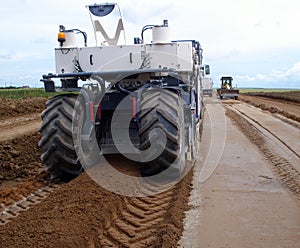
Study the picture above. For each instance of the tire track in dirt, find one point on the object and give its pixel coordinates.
(9, 133)
(86, 215)
(137, 223)
(23, 181)
(152, 221)
(284, 169)
(142, 222)
(15, 127)
(8, 213)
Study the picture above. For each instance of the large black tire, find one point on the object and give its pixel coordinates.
(58, 152)
(162, 113)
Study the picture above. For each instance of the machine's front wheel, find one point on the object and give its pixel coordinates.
(161, 115)
(58, 152)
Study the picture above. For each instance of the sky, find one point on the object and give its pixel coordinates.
(257, 42)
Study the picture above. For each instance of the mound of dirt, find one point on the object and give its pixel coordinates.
(12, 108)
(21, 170)
(20, 158)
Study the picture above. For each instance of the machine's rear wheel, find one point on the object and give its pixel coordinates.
(58, 152)
(162, 115)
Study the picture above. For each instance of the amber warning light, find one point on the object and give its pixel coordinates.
(61, 37)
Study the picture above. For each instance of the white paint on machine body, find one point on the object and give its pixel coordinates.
(174, 55)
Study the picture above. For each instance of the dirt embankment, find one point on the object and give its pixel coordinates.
(20, 155)
(21, 170)
(287, 96)
(288, 108)
(12, 108)
(20, 158)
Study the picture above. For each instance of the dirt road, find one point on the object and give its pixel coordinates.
(250, 200)
(290, 110)
(17, 126)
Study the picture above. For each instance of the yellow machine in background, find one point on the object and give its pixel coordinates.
(226, 90)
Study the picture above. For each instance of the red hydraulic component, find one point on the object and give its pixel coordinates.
(92, 111)
(99, 111)
(133, 99)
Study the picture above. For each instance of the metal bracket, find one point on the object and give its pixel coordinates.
(115, 39)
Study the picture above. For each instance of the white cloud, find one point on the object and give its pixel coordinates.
(261, 77)
(246, 78)
(293, 72)
(284, 78)
(290, 73)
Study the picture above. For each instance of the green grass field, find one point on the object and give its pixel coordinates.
(25, 93)
(40, 92)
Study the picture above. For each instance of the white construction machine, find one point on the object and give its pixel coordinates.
(157, 84)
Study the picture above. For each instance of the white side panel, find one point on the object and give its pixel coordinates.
(64, 59)
(177, 56)
(171, 55)
(162, 55)
(185, 56)
(111, 58)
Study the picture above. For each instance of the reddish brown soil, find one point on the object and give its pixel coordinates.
(20, 158)
(12, 108)
(82, 214)
(13, 191)
(21, 171)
